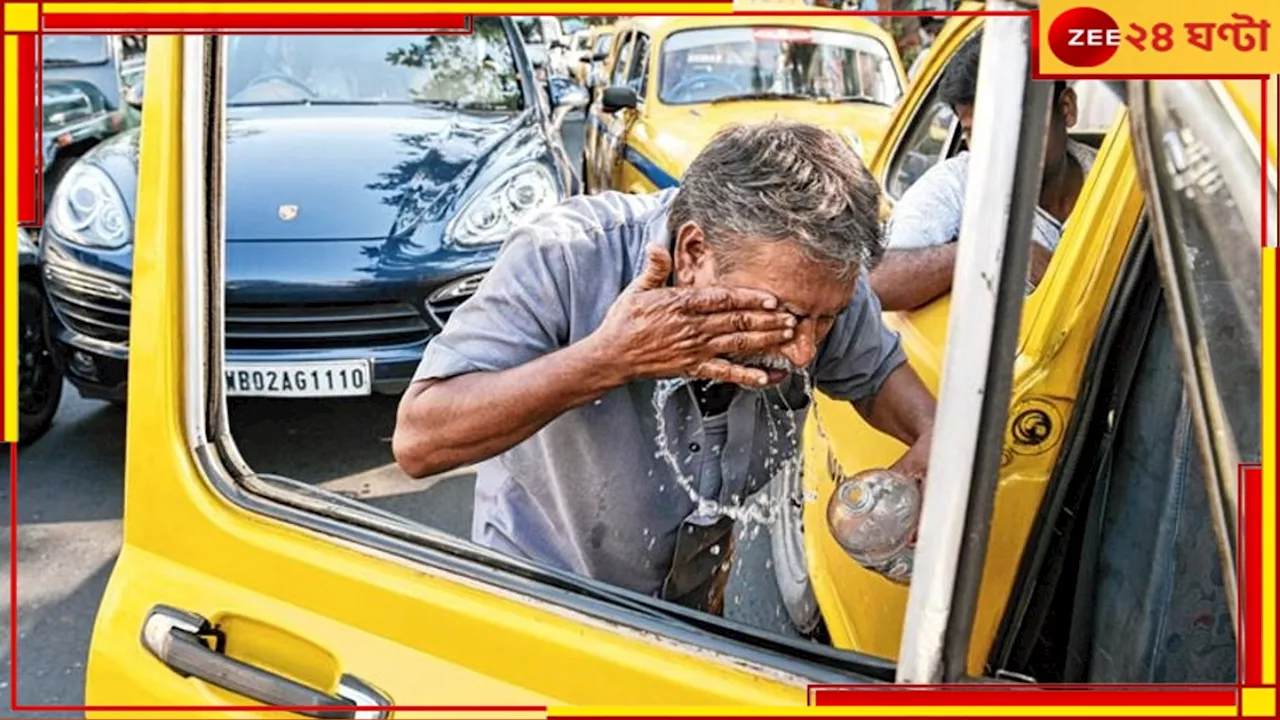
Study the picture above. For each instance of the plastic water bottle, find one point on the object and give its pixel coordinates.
(873, 516)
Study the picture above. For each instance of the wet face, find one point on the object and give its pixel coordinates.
(814, 293)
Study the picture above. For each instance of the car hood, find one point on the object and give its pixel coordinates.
(686, 131)
(310, 174)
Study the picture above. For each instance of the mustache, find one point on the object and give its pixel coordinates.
(765, 362)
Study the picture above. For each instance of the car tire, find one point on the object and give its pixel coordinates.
(39, 378)
(790, 568)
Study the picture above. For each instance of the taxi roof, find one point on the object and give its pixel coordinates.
(802, 15)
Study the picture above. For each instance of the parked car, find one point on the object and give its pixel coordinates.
(83, 100)
(365, 200)
(670, 83)
(39, 377)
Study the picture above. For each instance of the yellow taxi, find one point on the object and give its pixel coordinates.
(670, 83)
(236, 589)
(1078, 331)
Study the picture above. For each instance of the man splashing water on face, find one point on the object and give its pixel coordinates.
(546, 378)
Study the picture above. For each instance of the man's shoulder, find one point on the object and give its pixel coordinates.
(593, 235)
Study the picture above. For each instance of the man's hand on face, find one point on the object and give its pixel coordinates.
(655, 331)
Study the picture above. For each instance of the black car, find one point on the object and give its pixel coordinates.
(39, 378)
(82, 88)
(370, 181)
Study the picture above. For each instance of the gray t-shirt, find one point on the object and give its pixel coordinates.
(590, 492)
(929, 212)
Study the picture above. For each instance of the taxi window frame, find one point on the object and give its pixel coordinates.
(378, 534)
(621, 62)
(640, 63)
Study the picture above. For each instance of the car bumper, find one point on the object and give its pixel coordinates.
(387, 325)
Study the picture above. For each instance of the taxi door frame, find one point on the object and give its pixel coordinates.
(613, 144)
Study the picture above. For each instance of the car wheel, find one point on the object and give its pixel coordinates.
(39, 379)
(790, 568)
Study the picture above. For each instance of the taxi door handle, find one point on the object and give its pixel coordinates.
(177, 639)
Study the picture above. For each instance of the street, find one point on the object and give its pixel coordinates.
(70, 486)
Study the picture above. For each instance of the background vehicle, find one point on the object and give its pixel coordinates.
(39, 377)
(671, 83)
(1086, 520)
(370, 180)
(82, 88)
(589, 60)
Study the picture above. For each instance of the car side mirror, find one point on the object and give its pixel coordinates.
(586, 58)
(617, 98)
(133, 95)
(600, 56)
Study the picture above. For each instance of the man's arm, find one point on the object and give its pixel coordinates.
(862, 362)
(909, 279)
(920, 256)
(904, 408)
(500, 370)
(443, 424)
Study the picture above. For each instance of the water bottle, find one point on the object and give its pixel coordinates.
(873, 516)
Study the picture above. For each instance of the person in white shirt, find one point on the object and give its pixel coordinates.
(920, 239)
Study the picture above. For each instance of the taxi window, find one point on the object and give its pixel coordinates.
(622, 63)
(638, 78)
(340, 270)
(929, 140)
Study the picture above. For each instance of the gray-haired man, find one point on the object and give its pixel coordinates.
(746, 274)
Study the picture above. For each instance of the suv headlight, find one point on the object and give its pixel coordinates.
(87, 209)
(492, 213)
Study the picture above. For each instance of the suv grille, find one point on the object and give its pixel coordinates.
(89, 303)
(311, 326)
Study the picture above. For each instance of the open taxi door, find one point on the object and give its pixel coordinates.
(240, 591)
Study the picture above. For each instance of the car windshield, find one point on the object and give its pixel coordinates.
(73, 49)
(476, 71)
(723, 64)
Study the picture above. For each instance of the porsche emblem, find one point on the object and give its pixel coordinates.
(287, 212)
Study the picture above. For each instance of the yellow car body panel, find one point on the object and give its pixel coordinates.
(864, 611)
(308, 606)
(648, 148)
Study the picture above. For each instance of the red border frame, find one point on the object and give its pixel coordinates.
(1084, 695)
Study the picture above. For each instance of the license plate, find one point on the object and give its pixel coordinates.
(300, 380)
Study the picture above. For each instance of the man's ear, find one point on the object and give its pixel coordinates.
(1069, 108)
(694, 260)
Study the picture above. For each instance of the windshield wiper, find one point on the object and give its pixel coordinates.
(304, 101)
(67, 62)
(763, 96)
(854, 99)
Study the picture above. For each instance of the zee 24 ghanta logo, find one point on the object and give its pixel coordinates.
(1088, 37)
